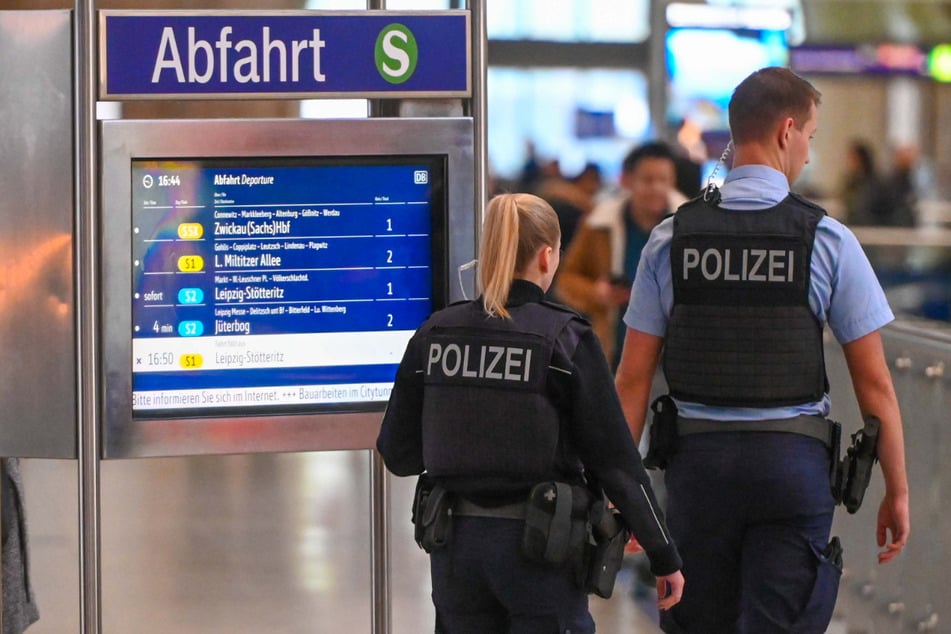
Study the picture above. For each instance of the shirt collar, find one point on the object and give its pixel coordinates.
(754, 184)
(524, 292)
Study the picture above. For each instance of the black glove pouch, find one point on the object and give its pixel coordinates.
(556, 523)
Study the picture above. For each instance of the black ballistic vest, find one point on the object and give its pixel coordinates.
(486, 407)
(741, 333)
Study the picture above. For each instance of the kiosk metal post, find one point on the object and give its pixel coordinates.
(381, 622)
(87, 375)
(478, 107)
(1, 556)
(380, 546)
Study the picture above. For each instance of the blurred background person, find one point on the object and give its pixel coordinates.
(901, 189)
(602, 259)
(690, 151)
(571, 198)
(863, 193)
(19, 604)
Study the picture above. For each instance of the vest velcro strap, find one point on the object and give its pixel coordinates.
(812, 426)
(507, 511)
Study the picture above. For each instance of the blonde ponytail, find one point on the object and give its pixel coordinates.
(516, 226)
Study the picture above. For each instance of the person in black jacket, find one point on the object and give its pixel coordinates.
(497, 395)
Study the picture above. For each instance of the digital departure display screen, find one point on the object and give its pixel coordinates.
(276, 284)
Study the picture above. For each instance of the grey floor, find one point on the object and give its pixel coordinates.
(240, 544)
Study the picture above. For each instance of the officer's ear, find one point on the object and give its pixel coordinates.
(785, 129)
(546, 259)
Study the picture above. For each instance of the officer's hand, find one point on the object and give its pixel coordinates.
(892, 518)
(670, 588)
(611, 295)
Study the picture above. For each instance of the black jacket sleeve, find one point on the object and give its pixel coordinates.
(606, 448)
(400, 442)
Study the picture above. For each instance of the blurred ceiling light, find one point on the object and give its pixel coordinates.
(681, 14)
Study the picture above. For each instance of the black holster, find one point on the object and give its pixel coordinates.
(432, 514)
(605, 554)
(855, 469)
(663, 438)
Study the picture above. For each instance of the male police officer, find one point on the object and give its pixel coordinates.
(735, 289)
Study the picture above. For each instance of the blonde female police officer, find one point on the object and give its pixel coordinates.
(496, 395)
(735, 289)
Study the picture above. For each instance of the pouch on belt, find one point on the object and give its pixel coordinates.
(663, 433)
(556, 523)
(432, 516)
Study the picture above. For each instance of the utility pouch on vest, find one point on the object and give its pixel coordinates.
(663, 440)
(432, 515)
(609, 535)
(555, 523)
(858, 462)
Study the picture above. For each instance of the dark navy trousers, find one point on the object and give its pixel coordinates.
(483, 585)
(751, 514)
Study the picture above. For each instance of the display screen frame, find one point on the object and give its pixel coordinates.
(131, 432)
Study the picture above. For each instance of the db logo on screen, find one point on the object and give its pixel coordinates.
(421, 177)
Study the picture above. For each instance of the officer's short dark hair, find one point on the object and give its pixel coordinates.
(765, 97)
(652, 149)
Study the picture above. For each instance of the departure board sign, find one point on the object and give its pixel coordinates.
(289, 54)
(276, 284)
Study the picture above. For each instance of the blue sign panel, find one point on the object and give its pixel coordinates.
(294, 55)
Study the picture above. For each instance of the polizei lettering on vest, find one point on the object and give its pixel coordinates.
(503, 363)
(742, 265)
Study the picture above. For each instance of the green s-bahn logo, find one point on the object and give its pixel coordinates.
(396, 53)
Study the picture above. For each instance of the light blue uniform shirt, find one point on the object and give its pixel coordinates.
(839, 268)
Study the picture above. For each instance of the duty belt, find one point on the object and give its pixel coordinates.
(507, 511)
(813, 426)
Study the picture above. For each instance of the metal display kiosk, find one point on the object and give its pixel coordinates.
(255, 270)
(38, 386)
(100, 229)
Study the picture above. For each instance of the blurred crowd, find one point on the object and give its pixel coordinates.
(871, 196)
(605, 224)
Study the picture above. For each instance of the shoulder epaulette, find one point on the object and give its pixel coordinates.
(564, 309)
(806, 202)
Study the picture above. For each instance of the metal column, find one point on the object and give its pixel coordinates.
(382, 617)
(87, 315)
(380, 545)
(1, 549)
(478, 109)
